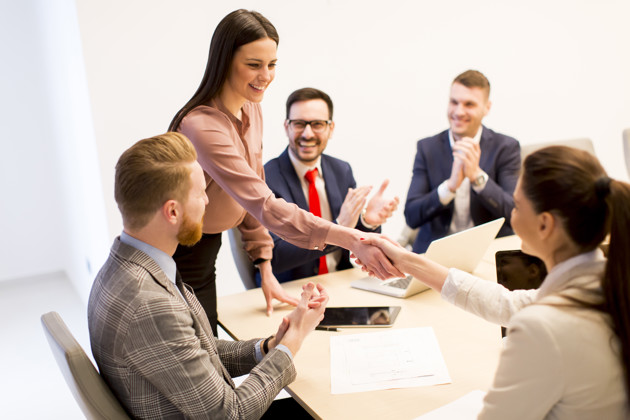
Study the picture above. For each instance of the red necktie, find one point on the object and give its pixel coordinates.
(314, 207)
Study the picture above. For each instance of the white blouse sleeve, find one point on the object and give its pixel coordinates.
(486, 299)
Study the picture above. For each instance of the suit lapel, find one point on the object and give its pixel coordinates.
(332, 191)
(446, 152)
(484, 142)
(138, 257)
(291, 177)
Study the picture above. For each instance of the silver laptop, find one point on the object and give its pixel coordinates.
(461, 250)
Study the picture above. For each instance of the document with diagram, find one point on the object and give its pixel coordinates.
(399, 358)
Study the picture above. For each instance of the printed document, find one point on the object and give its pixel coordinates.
(400, 358)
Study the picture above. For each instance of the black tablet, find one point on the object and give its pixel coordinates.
(360, 316)
(518, 270)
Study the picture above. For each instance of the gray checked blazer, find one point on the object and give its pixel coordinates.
(158, 354)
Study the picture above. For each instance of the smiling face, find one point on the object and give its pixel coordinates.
(466, 108)
(306, 145)
(252, 70)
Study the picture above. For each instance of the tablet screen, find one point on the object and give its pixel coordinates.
(517, 270)
(360, 316)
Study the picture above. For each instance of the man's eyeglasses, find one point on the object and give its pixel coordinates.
(318, 126)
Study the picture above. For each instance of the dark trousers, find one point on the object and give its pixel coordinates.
(197, 266)
(286, 408)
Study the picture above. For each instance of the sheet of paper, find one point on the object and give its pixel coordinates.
(463, 408)
(400, 358)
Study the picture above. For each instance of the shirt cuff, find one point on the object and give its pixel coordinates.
(449, 288)
(367, 225)
(285, 349)
(259, 356)
(445, 194)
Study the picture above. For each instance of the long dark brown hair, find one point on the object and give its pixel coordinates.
(573, 185)
(238, 28)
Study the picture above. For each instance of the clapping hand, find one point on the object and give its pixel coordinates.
(352, 206)
(469, 152)
(379, 209)
(308, 314)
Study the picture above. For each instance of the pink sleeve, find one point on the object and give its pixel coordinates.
(217, 145)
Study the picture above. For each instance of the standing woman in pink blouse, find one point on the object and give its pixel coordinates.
(223, 120)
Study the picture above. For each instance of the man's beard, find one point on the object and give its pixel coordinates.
(189, 232)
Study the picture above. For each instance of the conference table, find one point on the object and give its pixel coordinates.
(470, 345)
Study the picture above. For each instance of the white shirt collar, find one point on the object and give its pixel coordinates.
(165, 261)
(301, 168)
(476, 138)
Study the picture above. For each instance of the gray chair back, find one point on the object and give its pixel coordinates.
(626, 148)
(407, 237)
(88, 387)
(584, 144)
(244, 265)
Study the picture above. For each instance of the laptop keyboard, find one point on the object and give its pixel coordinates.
(401, 283)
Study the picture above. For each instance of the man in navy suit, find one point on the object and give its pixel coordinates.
(309, 126)
(464, 176)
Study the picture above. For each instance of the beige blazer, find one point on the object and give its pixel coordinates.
(559, 362)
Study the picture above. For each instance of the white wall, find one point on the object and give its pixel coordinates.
(558, 70)
(53, 215)
(32, 242)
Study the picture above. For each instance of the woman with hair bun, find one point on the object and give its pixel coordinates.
(567, 352)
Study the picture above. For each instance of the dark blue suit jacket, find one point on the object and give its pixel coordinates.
(289, 261)
(500, 159)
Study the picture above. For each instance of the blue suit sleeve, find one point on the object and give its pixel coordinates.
(497, 197)
(423, 202)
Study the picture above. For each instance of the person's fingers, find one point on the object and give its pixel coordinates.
(385, 272)
(361, 194)
(269, 305)
(357, 193)
(286, 322)
(322, 291)
(307, 291)
(392, 205)
(286, 298)
(310, 286)
(383, 186)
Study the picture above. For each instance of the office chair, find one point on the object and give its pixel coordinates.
(626, 148)
(88, 387)
(582, 143)
(245, 267)
(407, 237)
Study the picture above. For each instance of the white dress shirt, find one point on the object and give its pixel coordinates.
(332, 258)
